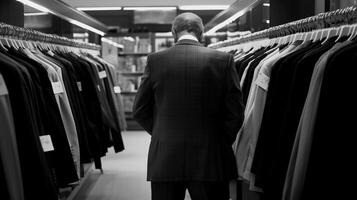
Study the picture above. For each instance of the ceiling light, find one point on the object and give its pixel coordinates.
(98, 8)
(112, 43)
(34, 5)
(167, 34)
(266, 4)
(149, 8)
(72, 21)
(36, 14)
(80, 35)
(226, 22)
(85, 26)
(204, 7)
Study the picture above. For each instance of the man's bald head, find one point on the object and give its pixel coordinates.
(187, 23)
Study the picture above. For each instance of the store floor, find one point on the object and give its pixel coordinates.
(124, 175)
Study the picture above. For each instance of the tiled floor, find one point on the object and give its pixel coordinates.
(124, 175)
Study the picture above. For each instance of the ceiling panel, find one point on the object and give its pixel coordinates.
(90, 3)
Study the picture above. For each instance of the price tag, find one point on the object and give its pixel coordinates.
(46, 143)
(262, 81)
(3, 88)
(57, 87)
(102, 74)
(79, 85)
(117, 90)
(50, 53)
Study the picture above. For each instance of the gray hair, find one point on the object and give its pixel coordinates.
(189, 22)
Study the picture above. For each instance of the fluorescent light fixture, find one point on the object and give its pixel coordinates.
(34, 5)
(149, 8)
(216, 34)
(98, 8)
(204, 7)
(267, 21)
(266, 4)
(167, 34)
(36, 14)
(112, 43)
(72, 21)
(131, 39)
(85, 26)
(225, 23)
(80, 35)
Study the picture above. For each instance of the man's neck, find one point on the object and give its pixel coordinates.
(188, 37)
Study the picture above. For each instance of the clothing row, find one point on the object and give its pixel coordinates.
(296, 130)
(58, 110)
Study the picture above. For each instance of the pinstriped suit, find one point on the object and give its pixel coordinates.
(190, 102)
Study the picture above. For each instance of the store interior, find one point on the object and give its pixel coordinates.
(121, 34)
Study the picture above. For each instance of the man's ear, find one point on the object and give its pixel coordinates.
(200, 37)
(174, 33)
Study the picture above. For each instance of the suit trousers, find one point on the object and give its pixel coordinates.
(198, 190)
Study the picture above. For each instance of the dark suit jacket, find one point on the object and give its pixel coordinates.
(191, 103)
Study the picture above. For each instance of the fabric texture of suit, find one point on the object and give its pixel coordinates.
(190, 102)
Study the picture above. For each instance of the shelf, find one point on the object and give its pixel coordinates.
(131, 73)
(143, 35)
(128, 93)
(133, 54)
(133, 126)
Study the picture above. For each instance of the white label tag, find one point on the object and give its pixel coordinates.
(46, 143)
(3, 88)
(51, 53)
(98, 86)
(262, 81)
(117, 90)
(102, 74)
(79, 84)
(57, 87)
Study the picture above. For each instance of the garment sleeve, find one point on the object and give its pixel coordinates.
(233, 103)
(143, 109)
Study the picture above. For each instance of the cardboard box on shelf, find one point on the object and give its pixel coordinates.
(141, 63)
(128, 103)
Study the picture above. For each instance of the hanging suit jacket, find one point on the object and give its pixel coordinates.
(32, 158)
(190, 102)
(9, 157)
(60, 160)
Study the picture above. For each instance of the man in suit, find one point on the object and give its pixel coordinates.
(190, 102)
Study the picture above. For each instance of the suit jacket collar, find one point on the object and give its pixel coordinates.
(188, 42)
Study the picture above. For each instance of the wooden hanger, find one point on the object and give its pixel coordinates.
(344, 31)
(331, 33)
(2, 45)
(317, 36)
(353, 32)
(312, 36)
(307, 36)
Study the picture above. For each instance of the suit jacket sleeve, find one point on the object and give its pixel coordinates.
(144, 101)
(233, 104)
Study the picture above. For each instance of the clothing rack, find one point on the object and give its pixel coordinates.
(321, 21)
(27, 37)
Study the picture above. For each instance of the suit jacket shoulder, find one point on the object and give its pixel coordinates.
(218, 58)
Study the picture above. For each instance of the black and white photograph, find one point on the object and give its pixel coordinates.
(178, 99)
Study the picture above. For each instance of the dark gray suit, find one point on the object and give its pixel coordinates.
(191, 103)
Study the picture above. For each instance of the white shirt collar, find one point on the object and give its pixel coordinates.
(188, 37)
